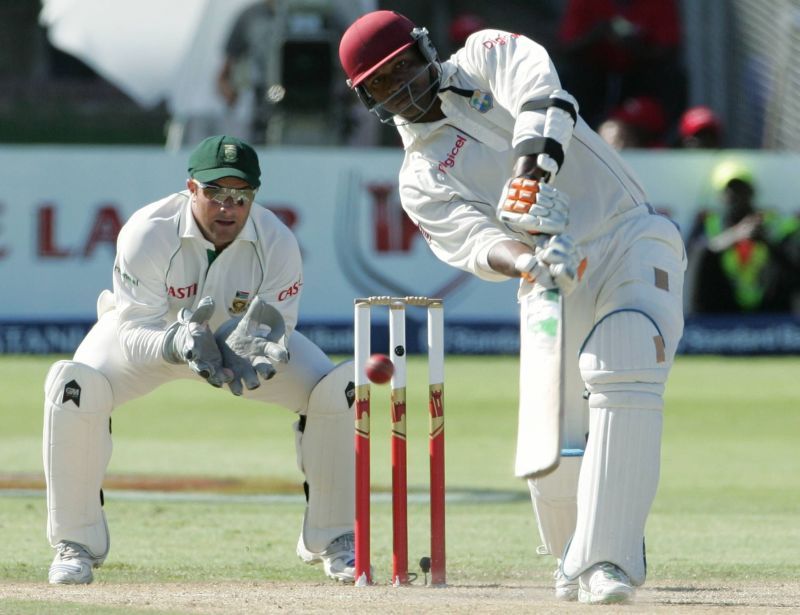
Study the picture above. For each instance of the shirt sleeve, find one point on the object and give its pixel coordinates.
(516, 70)
(282, 285)
(460, 232)
(140, 293)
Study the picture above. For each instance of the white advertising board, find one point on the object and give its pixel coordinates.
(61, 208)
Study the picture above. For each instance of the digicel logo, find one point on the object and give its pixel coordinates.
(450, 161)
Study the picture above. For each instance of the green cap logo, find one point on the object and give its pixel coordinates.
(229, 153)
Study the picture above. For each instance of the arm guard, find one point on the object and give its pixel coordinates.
(548, 142)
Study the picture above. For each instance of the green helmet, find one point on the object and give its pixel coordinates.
(728, 170)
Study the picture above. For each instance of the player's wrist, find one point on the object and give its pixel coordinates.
(170, 345)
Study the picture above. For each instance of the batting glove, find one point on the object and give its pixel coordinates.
(531, 206)
(189, 340)
(557, 262)
(251, 345)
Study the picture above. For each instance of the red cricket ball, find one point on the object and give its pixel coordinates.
(379, 368)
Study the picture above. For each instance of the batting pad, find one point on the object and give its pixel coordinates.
(326, 456)
(554, 502)
(624, 367)
(76, 452)
(624, 363)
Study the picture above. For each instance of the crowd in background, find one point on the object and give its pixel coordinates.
(279, 81)
(623, 62)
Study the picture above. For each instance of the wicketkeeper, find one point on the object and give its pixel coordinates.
(207, 288)
(505, 180)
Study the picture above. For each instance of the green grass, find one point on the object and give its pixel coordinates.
(726, 508)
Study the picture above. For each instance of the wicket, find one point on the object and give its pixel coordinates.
(397, 342)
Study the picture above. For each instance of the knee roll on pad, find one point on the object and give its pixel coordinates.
(623, 362)
(76, 452)
(554, 502)
(325, 453)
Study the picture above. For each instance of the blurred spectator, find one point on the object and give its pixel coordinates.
(618, 49)
(619, 134)
(700, 128)
(743, 259)
(251, 66)
(637, 123)
(462, 26)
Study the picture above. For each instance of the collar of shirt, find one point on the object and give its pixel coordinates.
(189, 227)
(458, 114)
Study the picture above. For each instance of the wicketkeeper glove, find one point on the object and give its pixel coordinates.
(248, 349)
(556, 262)
(532, 206)
(190, 340)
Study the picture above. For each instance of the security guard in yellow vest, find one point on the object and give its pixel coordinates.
(747, 260)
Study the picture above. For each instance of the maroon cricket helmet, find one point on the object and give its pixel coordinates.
(371, 41)
(374, 39)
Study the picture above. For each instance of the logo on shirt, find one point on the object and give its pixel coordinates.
(182, 292)
(126, 278)
(240, 302)
(481, 101)
(499, 40)
(290, 292)
(450, 161)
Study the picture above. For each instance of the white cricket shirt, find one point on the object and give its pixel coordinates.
(455, 169)
(162, 265)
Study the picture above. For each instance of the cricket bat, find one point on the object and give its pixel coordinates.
(541, 399)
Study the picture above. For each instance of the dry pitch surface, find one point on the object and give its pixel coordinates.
(257, 597)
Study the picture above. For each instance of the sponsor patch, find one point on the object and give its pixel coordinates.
(290, 292)
(450, 161)
(125, 277)
(481, 101)
(182, 292)
(499, 40)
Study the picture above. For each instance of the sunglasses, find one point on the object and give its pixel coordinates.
(220, 194)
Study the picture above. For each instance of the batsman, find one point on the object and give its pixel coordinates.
(206, 287)
(505, 180)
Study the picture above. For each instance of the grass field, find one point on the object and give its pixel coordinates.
(726, 513)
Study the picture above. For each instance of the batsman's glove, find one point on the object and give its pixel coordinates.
(556, 262)
(190, 340)
(252, 345)
(534, 207)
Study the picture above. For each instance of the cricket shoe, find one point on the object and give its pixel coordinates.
(338, 559)
(604, 583)
(566, 590)
(72, 565)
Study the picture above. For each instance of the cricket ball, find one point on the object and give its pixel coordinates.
(379, 368)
